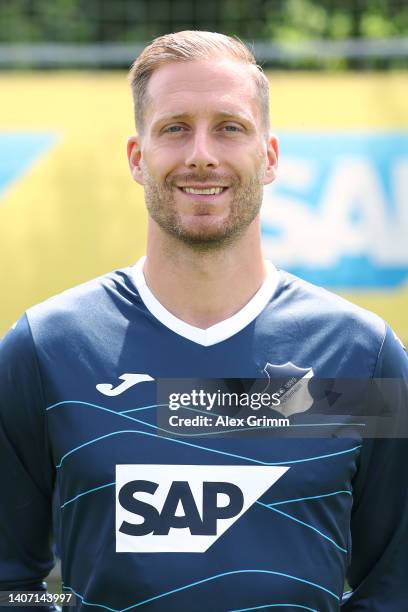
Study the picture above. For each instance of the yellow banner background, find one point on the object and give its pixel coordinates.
(77, 213)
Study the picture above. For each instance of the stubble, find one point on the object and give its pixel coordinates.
(245, 198)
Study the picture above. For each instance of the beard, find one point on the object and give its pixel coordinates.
(245, 204)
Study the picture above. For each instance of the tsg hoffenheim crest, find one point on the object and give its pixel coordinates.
(292, 385)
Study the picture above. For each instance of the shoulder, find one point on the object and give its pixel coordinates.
(318, 306)
(84, 309)
(337, 332)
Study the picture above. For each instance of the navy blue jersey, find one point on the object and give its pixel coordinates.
(151, 520)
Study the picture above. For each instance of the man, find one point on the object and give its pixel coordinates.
(154, 520)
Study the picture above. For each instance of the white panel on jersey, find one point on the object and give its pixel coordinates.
(184, 508)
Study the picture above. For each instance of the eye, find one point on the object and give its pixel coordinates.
(174, 129)
(232, 127)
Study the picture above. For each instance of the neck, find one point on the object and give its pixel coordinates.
(204, 288)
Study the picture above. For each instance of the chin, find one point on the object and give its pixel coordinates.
(204, 232)
(205, 239)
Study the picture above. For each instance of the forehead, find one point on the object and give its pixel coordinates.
(202, 85)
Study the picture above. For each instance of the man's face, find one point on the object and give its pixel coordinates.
(204, 157)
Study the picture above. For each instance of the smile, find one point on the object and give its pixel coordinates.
(202, 191)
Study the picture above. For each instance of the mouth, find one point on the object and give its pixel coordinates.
(207, 193)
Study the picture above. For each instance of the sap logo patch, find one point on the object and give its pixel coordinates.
(184, 508)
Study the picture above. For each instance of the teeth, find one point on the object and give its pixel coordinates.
(210, 191)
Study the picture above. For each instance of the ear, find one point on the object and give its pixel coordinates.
(134, 154)
(272, 160)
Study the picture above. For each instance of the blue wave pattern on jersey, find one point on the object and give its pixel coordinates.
(209, 579)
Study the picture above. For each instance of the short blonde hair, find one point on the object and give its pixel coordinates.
(188, 46)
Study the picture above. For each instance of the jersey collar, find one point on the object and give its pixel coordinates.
(218, 332)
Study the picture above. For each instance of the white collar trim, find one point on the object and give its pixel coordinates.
(218, 332)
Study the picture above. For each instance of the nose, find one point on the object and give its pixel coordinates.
(201, 152)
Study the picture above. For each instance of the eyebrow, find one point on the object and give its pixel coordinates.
(222, 114)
